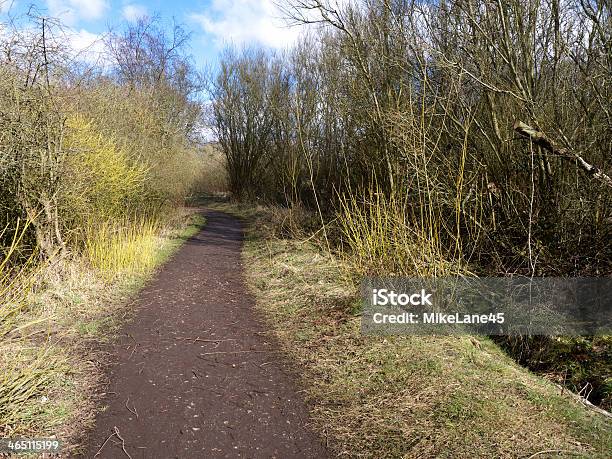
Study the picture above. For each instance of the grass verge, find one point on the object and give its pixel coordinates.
(404, 396)
(50, 367)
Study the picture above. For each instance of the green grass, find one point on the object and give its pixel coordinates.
(405, 396)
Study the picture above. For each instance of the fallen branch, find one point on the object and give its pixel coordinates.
(540, 139)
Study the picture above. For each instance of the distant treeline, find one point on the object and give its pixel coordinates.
(451, 135)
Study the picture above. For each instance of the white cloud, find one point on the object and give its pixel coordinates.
(245, 22)
(133, 12)
(71, 11)
(87, 47)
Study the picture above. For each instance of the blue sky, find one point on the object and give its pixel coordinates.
(213, 23)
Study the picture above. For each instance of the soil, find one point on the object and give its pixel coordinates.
(195, 373)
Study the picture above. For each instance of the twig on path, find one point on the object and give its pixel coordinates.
(134, 412)
(236, 352)
(114, 434)
(133, 350)
(104, 444)
(122, 442)
(199, 340)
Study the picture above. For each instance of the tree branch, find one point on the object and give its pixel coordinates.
(540, 139)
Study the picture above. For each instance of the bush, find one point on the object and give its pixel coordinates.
(100, 182)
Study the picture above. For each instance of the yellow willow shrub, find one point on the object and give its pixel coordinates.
(136, 125)
(102, 181)
(122, 247)
(382, 240)
(124, 115)
(15, 280)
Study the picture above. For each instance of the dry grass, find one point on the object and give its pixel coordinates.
(15, 280)
(406, 396)
(28, 372)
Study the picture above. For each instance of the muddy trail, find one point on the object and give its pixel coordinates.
(195, 375)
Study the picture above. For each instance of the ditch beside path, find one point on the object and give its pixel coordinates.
(195, 375)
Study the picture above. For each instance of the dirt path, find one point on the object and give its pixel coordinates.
(195, 375)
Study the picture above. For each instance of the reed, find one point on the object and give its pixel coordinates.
(122, 247)
(16, 279)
